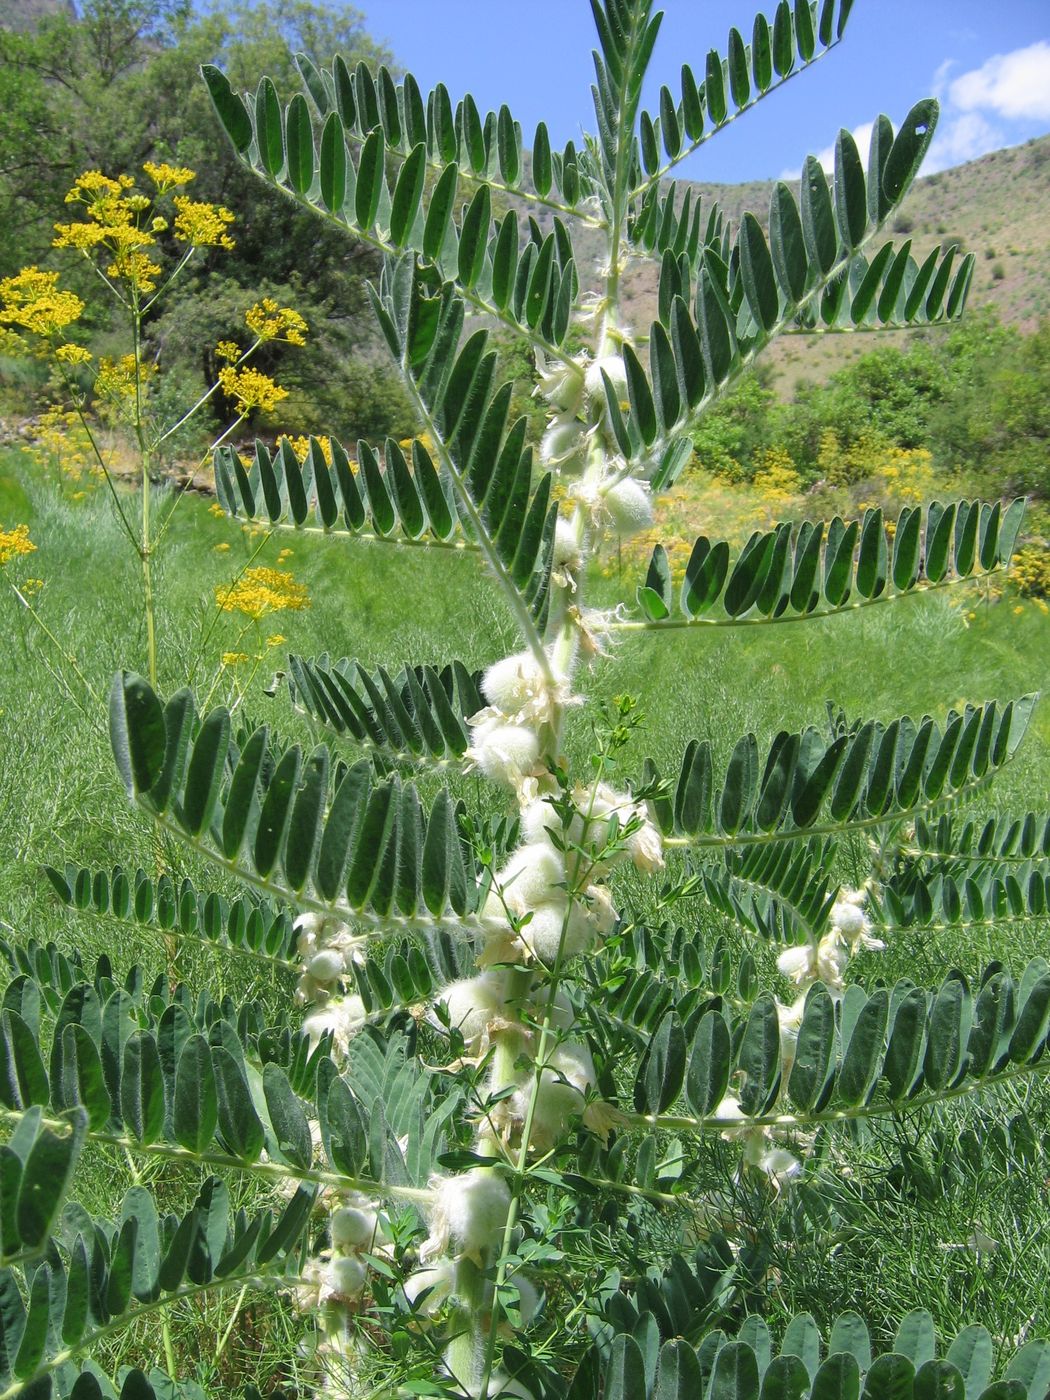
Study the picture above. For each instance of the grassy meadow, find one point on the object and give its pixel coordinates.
(909, 1245)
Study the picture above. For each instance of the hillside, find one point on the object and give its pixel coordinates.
(997, 207)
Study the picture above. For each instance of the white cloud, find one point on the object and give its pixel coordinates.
(961, 136)
(862, 136)
(1013, 85)
(940, 79)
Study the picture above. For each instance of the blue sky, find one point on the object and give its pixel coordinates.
(988, 63)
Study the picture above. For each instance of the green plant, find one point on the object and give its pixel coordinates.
(119, 233)
(504, 1077)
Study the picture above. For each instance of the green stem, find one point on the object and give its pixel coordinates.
(854, 1113)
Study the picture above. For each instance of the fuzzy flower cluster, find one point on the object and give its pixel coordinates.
(329, 951)
(578, 395)
(761, 1152)
(506, 736)
(848, 933)
(357, 1228)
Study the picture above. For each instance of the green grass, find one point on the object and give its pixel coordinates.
(903, 1242)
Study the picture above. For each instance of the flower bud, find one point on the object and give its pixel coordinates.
(469, 1210)
(352, 1228)
(799, 965)
(532, 876)
(506, 753)
(326, 966)
(345, 1276)
(629, 505)
(427, 1289)
(473, 1003)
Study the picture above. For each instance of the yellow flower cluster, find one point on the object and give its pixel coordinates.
(168, 177)
(301, 446)
(118, 220)
(73, 354)
(33, 300)
(251, 389)
(1031, 571)
(117, 380)
(14, 543)
(202, 225)
(235, 658)
(227, 350)
(268, 321)
(776, 478)
(62, 443)
(259, 592)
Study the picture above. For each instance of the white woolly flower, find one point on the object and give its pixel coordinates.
(468, 1211)
(506, 753)
(325, 966)
(613, 367)
(344, 1277)
(538, 820)
(729, 1111)
(473, 1004)
(646, 848)
(850, 920)
(353, 1228)
(560, 384)
(832, 957)
(602, 910)
(780, 1165)
(560, 1096)
(427, 1289)
(533, 875)
(799, 965)
(563, 445)
(514, 684)
(343, 1016)
(789, 1019)
(629, 507)
(542, 935)
(567, 553)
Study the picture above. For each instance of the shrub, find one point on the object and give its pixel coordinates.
(523, 1071)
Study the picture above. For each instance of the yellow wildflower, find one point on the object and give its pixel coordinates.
(228, 350)
(32, 299)
(261, 591)
(269, 321)
(275, 641)
(93, 183)
(15, 542)
(158, 225)
(284, 554)
(73, 354)
(79, 495)
(222, 547)
(202, 225)
(117, 379)
(250, 389)
(168, 177)
(235, 658)
(31, 586)
(217, 510)
(135, 268)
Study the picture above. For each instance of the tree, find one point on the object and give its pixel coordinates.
(504, 1073)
